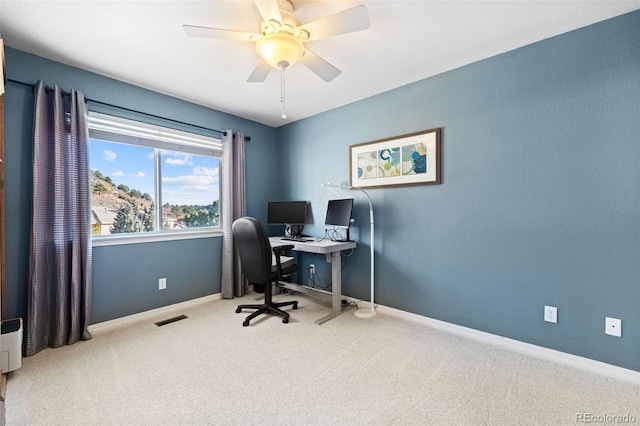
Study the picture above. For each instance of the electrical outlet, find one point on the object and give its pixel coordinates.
(551, 314)
(613, 326)
(312, 269)
(162, 283)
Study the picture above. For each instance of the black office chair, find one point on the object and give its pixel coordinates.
(261, 266)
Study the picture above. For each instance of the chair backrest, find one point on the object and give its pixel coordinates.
(252, 244)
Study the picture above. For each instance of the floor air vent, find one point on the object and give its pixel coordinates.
(170, 320)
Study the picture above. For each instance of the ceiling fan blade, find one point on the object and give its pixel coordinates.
(195, 31)
(269, 10)
(322, 68)
(260, 72)
(347, 21)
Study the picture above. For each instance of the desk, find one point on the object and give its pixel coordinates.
(332, 251)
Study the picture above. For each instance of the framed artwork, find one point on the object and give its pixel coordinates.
(412, 159)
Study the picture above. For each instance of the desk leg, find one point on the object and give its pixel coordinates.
(336, 288)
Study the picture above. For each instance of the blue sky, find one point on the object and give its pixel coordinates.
(187, 179)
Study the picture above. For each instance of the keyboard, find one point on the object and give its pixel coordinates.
(299, 240)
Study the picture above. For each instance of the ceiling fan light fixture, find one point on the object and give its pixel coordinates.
(280, 50)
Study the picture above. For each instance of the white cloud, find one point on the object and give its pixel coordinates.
(118, 173)
(191, 189)
(109, 155)
(179, 159)
(192, 182)
(205, 171)
(139, 174)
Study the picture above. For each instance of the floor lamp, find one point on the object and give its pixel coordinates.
(363, 313)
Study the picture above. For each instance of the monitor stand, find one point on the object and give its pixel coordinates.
(346, 240)
(294, 233)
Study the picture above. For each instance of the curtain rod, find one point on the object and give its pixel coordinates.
(222, 132)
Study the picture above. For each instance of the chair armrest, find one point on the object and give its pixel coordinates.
(278, 251)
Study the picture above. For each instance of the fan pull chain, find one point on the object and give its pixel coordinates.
(284, 114)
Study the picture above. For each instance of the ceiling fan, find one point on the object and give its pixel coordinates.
(280, 43)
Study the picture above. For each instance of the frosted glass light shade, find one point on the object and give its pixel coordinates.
(280, 50)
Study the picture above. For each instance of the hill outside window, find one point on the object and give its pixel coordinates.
(150, 182)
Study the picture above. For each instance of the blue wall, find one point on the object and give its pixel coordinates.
(539, 201)
(124, 277)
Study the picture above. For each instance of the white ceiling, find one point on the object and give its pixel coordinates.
(143, 43)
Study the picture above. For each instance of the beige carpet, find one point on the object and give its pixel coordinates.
(209, 370)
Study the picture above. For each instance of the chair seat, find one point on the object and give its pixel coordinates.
(285, 261)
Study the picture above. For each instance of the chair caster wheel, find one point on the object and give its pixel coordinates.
(295, 306)
(285, 320)
(238, 310)
(245, 324)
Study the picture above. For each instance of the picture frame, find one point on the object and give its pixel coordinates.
(411, 159)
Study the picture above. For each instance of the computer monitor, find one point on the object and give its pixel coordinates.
(290, 213)
(339, 213)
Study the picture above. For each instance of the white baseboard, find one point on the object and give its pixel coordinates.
(153, 313)
(520, 347)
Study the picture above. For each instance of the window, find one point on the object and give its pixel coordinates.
(147, 179)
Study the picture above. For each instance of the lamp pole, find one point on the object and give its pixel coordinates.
(364, 313)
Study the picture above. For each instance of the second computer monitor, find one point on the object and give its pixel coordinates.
(339, 213)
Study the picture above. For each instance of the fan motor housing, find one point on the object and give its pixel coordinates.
(289, 24)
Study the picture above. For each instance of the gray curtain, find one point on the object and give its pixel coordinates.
(59, 286)
(233, 207)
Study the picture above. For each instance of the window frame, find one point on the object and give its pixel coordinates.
(115, 129)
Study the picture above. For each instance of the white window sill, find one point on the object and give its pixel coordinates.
(152, 237)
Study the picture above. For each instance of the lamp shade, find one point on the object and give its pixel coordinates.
(280, 50)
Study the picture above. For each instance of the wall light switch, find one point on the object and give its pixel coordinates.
(613, 326)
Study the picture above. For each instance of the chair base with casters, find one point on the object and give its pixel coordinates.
(268, 307)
